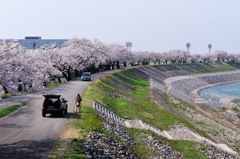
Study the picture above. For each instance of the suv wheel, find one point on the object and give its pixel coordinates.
(66, 111)
(43, 114)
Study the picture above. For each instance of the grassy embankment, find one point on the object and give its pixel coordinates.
(10, 109)
(7, 95)
(53, 84)
(129, 96)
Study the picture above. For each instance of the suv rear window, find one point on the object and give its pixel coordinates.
(48, 100)
(52, 102)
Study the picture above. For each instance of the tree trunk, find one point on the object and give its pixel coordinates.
(118, 66)
(5, 90)
(124, 64)
(100, 67)
(65, 75)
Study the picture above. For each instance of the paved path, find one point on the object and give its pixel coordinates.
(25, 133)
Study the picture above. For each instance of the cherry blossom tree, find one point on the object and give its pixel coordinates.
(166, 58)
(195, 58)
(156, 58)
(86, 54)
(173, 56)
(118, 54)
(18, 67)
(220, 55)
(236, 57)
(43, 65)
(12, 66)
(101, 54)
(231, 57)
(58, 58)
(207, 57)
(161, 58)
(184, 56)
(141, 58)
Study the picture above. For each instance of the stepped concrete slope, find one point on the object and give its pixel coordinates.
(178, 133)
(195, 137)
(218, 78)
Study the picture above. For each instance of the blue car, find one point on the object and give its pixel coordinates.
(86, 76)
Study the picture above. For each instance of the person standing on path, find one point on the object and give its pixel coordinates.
(78, 101)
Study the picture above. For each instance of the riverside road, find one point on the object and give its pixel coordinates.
(26, 134)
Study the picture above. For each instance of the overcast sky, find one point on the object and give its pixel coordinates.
(151, 25)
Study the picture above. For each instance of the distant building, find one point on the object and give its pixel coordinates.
(35, 42)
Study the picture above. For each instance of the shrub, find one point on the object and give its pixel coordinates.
(235, 109)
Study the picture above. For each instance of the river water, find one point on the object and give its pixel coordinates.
(222, 95)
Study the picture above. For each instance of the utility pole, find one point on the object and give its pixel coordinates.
(209, 47)
(188, 46)
(128, 45)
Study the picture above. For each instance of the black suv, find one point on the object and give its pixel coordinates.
(54, 103)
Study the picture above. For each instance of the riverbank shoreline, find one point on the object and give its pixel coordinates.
(198, 83)
(196, 93)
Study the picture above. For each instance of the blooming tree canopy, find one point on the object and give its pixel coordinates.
(32, 67)
(17, 67)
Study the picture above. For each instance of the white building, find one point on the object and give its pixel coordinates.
(35, 42)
